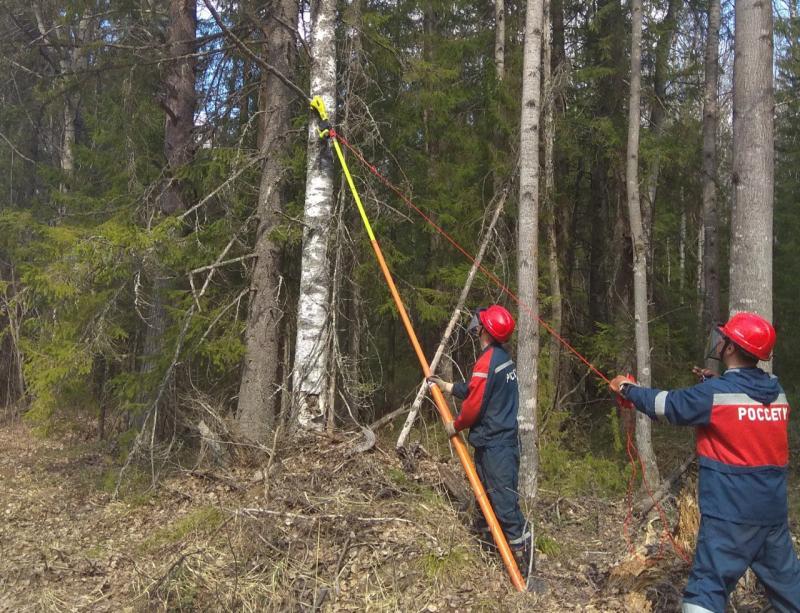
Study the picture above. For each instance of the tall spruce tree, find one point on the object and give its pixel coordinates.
(260, 387)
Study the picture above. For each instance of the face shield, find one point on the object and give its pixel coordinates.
(474, 327)
(716, 343)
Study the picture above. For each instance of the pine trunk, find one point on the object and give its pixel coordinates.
(710, 285)
(180, 99)
(260, 389)
(312, 347)
(753, 160)
(643, 438)
(527, 250)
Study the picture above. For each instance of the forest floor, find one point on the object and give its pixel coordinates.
(322, 528)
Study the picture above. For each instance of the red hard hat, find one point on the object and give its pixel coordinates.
(498, 322)
(752, 333)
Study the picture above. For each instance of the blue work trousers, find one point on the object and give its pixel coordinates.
(498, 470)
(724, 551)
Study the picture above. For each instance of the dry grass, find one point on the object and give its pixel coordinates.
(333, 531)
(688, 516)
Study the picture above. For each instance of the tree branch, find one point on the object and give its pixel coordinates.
(219, 188)
(249, 53)
(15, 150)
(646, 505)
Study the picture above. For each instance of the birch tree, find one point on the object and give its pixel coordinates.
(312, 348)
(259, 389)
(528, 249)
(643, 438)
(498, 141)
(753, 160)
(499, 39)
(710, 234)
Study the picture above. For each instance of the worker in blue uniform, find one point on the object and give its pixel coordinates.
(741, 419)
(490, 400)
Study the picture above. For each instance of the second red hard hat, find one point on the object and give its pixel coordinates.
(498, 322)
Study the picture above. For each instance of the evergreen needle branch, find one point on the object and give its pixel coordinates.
(249, 53)
(236, 300)
(222, 186)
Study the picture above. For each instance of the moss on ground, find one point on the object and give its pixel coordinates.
(202, 520)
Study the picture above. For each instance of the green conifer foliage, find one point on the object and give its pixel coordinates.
(787, 205)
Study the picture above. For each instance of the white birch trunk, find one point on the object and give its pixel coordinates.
(753, 160)
(312, 347)
(669, 263)
(528, 250)
(643, 430)
(499, 39)
(65, 46)
(499, 71)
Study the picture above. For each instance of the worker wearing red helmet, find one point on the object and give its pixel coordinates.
(743, 454)
(490, 400)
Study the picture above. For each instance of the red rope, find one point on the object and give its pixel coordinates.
(634, 458)
(466, 254)
(633, 454)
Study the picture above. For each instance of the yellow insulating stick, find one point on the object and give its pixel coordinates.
(441, 404)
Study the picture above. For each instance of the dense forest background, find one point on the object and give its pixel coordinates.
(153, 170)
(192, 320)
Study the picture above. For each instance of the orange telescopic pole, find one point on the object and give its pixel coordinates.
(438, 397)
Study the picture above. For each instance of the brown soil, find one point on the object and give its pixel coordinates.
(326, 530)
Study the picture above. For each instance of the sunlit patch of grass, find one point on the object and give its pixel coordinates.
(202, 520)
(448, 564)
(548, 546)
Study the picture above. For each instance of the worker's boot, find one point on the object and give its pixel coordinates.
(524, 556)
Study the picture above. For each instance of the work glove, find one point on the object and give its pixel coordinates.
(450, 427)
(443, 385)
(620, 382)
(703, 373)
